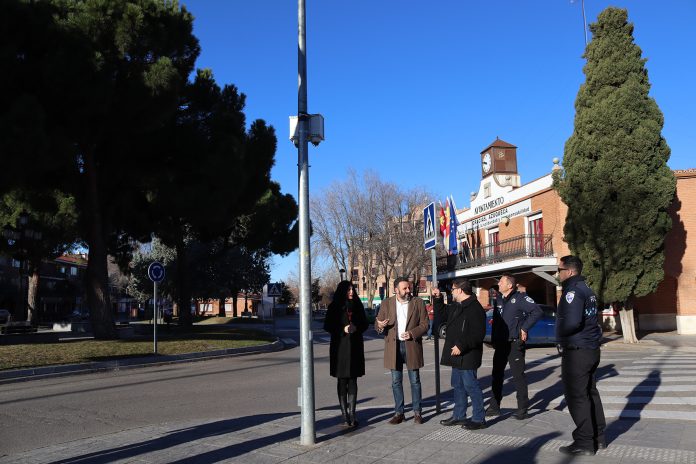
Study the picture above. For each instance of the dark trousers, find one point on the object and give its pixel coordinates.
(578, 369)
(512, 353)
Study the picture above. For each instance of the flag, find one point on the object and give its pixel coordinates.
(443, 226)
(453, 223)
(447, 228)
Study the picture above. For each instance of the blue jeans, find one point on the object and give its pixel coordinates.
(430, 328)
(397, 382)
(465, 385)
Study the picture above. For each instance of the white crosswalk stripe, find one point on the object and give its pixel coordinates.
(661, 386)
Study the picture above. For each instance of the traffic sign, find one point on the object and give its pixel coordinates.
(274, 289)
(429, 237)
(156, 272)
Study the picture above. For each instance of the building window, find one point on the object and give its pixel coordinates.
(486, 190)
(354, 274)
(15, 263)
(493, 242)
(62, 269)
(536, 236)
(73, 271)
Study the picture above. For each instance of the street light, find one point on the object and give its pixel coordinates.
(343, 273)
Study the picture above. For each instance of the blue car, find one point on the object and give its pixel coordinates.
(542, 333)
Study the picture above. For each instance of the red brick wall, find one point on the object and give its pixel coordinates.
(675, 295)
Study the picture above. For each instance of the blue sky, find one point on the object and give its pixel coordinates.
(415, 93)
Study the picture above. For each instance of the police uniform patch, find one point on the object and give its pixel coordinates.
(512, 301)
(570, 296)
(529, 299)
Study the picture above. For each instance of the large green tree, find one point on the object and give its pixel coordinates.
(215, 188)
(86, 85)
(615, 180)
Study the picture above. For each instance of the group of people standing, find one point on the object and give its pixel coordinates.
(404, 321)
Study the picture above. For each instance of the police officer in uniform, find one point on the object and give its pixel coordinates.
(578, 335)
(514, 314)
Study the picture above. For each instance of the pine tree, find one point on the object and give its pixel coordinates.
(616, 181)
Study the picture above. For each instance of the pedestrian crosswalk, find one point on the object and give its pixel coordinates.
(658, 386)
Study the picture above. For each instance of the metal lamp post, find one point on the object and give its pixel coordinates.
(305, 128)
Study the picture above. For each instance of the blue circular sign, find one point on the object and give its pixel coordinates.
(156, 272)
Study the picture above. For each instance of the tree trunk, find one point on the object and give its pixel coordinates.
(234, 303)
(97, 277)
(32, 293)
(628, 328)
(221, 307)
(182, 288)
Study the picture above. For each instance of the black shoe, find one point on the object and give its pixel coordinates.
(601, 444)
(492, 411)
(521, 414)
(452, 421)
(574, 450)
(471, 425)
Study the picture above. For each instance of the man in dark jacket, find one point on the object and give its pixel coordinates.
(579, 337)
(463, 349)
(514, 314)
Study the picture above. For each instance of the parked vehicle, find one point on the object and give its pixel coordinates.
(542, 333)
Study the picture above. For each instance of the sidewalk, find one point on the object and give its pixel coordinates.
(656, 340)
(275, 438)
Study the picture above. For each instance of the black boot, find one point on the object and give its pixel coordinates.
(343, 402)
(352, 417)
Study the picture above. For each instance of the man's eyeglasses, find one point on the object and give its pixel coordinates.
(562, 269)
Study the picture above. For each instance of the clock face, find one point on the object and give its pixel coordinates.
(486, 162)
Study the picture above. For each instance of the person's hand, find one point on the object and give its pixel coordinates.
(455, 351)
(435, 292)
(523, 335)
(349, 329)
(406, 336)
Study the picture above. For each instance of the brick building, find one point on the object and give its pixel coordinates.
(518, 229)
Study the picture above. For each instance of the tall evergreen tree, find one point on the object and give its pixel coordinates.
(615, 180)
(85, 86)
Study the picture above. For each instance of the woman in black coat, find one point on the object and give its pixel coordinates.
(346, 321)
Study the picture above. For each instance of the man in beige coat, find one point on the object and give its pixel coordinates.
(403, 321)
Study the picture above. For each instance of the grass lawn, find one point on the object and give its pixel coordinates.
(169, 341)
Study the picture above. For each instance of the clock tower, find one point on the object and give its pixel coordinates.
(499, 161)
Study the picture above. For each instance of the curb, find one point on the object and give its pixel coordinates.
(34, 373)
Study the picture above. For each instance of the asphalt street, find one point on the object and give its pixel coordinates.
(649, 396)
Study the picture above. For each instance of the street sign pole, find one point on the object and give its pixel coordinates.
(154, 313)
(156, 274)
(436, 339)
(429, 243)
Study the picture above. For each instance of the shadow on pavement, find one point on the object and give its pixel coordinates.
(192, 434)
(623, 424)
(524, 454)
